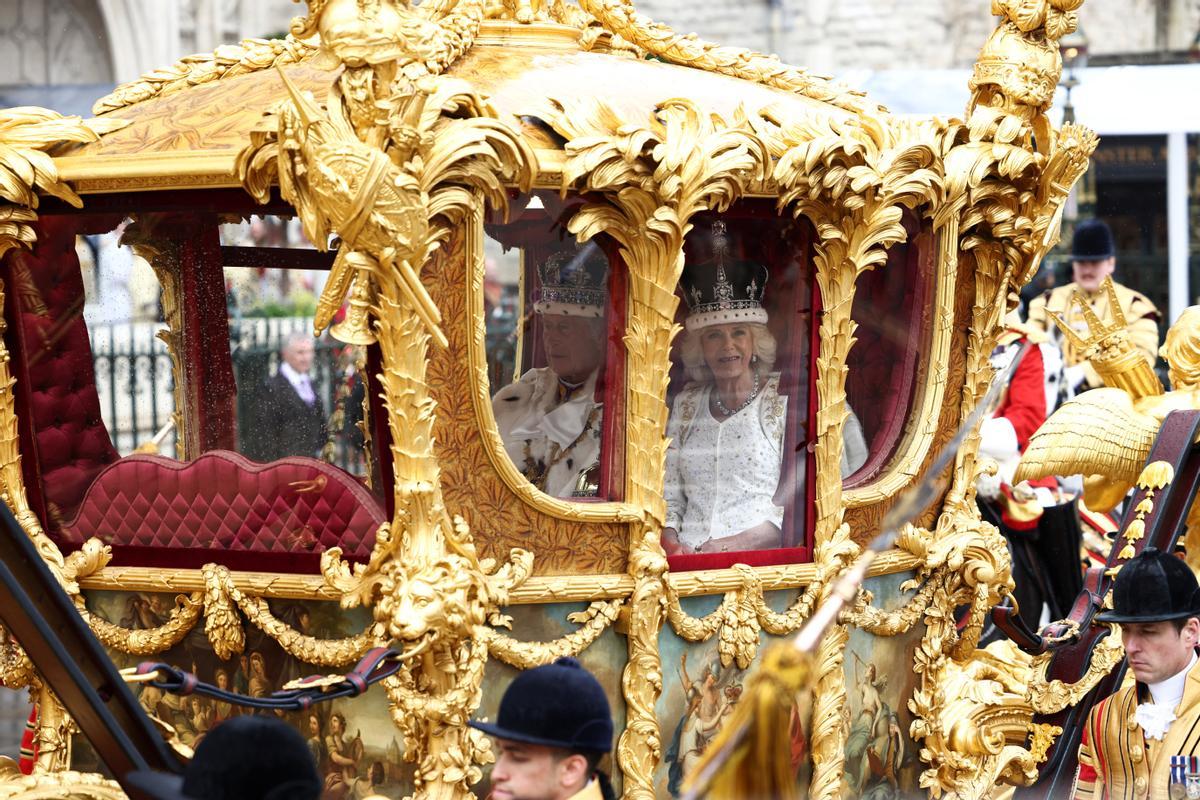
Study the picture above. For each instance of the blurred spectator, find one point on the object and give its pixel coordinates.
(289, 417)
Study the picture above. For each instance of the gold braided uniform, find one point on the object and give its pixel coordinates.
(1117, 761)
(1141, 319)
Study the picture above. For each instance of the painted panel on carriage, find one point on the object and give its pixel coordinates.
(357, 747)
(881, 757)
(699, 694)
(605, 658)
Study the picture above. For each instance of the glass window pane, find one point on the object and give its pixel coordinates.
(739, 425)
(890, 336)
(297, 395)
(554, 349)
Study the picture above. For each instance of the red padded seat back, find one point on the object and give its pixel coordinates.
(222, 502)
(54, 368)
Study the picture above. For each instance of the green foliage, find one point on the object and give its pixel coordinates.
(300, 304)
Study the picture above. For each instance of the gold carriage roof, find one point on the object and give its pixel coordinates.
(187, 123)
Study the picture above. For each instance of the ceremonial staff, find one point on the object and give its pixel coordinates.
(749, 757)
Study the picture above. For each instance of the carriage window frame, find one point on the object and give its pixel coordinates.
(611, 489)
(912, 259)
(802, 500)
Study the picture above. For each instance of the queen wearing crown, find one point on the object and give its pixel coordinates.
(550, 420)
(727, 425)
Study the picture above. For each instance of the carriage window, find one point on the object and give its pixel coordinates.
(553, 330)
(297, 394)
(124, 318)
(84, 322)
(891, 331)
(738, 465)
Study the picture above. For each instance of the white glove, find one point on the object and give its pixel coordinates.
(988, 486)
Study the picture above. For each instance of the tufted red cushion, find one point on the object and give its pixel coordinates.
(55, 357)
(223, 502)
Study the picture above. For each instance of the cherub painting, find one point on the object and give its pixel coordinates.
(710, 697)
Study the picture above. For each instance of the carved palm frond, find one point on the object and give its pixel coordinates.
(26, 168)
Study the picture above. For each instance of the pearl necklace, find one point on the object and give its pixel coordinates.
(750, 399)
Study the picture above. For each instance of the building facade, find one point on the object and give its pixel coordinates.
(65, 42)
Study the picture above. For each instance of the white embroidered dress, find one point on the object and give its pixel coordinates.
(721, 477)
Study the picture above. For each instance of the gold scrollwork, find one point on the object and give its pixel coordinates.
(594, 620)
(66, 785)
(1050, 697)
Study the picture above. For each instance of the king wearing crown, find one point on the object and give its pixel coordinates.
(550, 420)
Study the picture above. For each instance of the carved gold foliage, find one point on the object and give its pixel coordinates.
(219, 604)
(960, 717)
(65, 785)
(221, 622)
(1050, 697)
(650, 180)
(881, 623)
(16, 670)
(593, 621)
(227, 61)
(305, 648)
(26, 168)
(148, 641)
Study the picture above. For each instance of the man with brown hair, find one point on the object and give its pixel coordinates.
(1132, 735)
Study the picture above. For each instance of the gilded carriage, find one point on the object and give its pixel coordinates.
(425, 151)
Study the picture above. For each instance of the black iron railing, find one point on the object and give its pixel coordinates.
(135, 383)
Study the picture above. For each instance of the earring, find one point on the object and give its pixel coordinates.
(754, 359)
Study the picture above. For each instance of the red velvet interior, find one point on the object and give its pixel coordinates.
(154, 510)
(56, 382)
(887, 307)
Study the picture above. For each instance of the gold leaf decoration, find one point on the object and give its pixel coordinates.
(1156, 475)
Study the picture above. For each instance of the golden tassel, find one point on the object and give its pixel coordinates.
(751, 756)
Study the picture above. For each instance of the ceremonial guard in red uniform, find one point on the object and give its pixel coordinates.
(1134, 738)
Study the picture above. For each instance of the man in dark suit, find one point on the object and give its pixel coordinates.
(290, 415)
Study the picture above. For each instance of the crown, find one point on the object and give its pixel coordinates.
(573, 282)
(1109, 348)
(721, 291)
